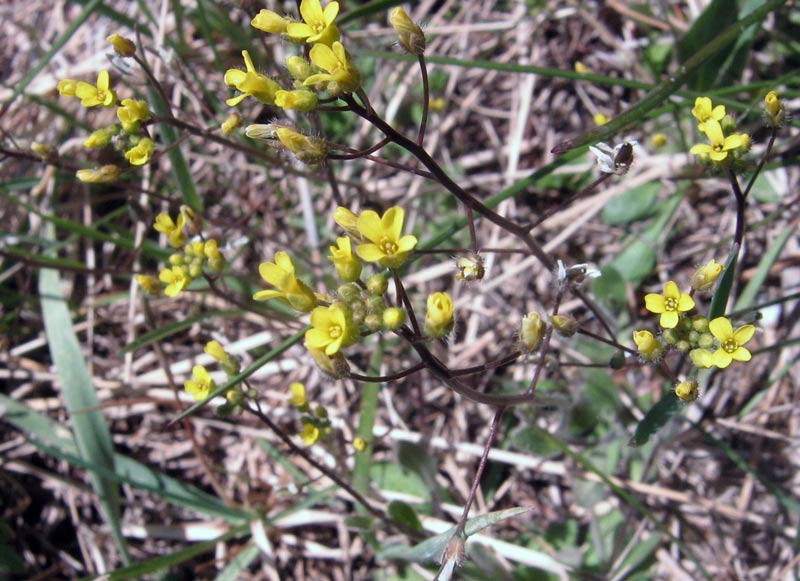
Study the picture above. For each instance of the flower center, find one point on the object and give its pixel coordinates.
(335, 331)
(387, 246)
(671, 304)
(730, 346)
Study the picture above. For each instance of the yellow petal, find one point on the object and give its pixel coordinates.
(743, 334)
(721, 328)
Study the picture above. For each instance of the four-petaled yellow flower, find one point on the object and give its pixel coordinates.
(89, 94)
(347, 265)
(720, 146)
(176, 278)
(341, 76)
(202, 384)
(280, 274)
(251, 83)
(332, 330)
(173, 230)
(385, 246)
(318, 26)
(131, 112)
(140, 153)
(439, 315)
(704, 111)
(670, 305)
(731, 343)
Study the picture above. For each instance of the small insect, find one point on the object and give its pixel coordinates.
(617, 159)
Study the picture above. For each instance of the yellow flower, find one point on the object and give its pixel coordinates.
(705, 276)
(269, 21)
(250, 83)
(318, 26)
(298, 398)
(385, 246)
(670, 305)
(67, 87)
(658, 140)
(176, 278)
(150, 284)
(215, 259)
(99, 94)
(173, 230)
(302, 100)
(202, 384)
(131, 112)
(704, 111)
(122, 46)
(280, 274)
(581, 68)
(439, 319)
(531, 332)
(720, 145)
(359, 444)
(347, 265)
(141, 152)
(731, 343)
(332, 329)
(409, 34)
(687, 391)
(600, 119)
(340, 76)
(648, 346)
(310, 434)
(100, 175)
(774, 109)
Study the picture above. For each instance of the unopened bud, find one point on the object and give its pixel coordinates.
(564, 325)
(687, 391)
(531, 332)
(470, 268)
(409, 34)
(122, 46)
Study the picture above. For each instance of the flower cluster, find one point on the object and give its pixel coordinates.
(316, 424)
(329, 69)
(128, 136)
(201, 385)
(724, 143)
(712, 343)
(188, 264)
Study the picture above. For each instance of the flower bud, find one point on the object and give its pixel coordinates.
(300, 100)
(705, 341)
(349, 293)
(150, 284)
(728, 124)
(439, 319)
(408, 32)
(774, 109)
(299, 68)
(334, 366)
(683, 345)
(347, 221)
(100, 138)
(377, 285)
(122, 46)
(564, 325)
(308, 150)
(470, 268)
(700, 324)
(373, 322)
(531, 332)
(101, 175)
(298, 398)
(269, 21)
(649, 347)
(67, 87)
(687, 391)
(44, 151)
(393, 318)
(231, 122)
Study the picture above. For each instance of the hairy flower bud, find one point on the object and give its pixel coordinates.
(409, 34)
(531, 332)
(687, 391)
(470, 267)
(648, 346)
(439, 319)
(393, 318)
(122, 46)
(564, 325)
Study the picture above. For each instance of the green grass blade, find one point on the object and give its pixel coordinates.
(52, 437)
(92, 435)
(750, 292)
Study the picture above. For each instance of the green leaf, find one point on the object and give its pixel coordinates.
(610, 289)
(634, 204)
(394, 477)
(656, 418)
(718, 15)
(404, 514)
(719, 302)
(88, 424)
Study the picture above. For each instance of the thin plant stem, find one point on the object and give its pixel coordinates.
(426, 98)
